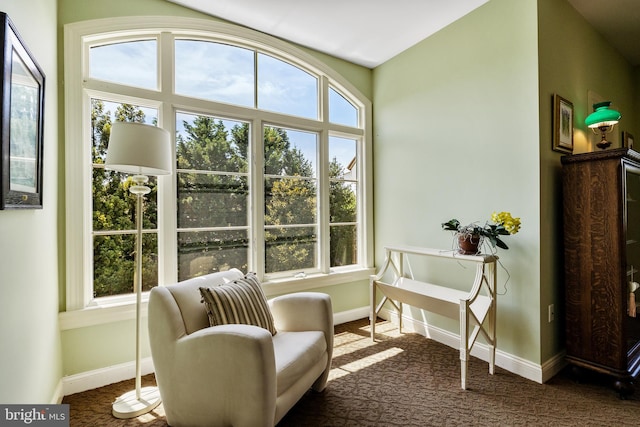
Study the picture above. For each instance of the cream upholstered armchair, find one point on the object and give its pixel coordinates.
(236, 374)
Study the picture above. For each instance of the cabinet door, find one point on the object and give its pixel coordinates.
(632, 286)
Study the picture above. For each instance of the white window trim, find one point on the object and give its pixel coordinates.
(114, 310)
(79, 310)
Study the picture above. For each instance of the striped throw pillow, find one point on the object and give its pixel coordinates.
(239, 302)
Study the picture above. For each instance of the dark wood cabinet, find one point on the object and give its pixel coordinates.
(601, 220)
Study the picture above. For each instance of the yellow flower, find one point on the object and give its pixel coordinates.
(511, 224)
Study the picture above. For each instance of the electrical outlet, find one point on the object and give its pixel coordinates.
(552, 313)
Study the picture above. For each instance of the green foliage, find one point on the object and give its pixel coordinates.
(291, 201)
(213, 205)
(212, 194)
(114, 209)
(342, 206)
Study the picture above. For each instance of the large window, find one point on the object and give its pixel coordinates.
(270, 150)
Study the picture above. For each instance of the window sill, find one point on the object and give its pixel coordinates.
(313, 281)
(110, 312)
(100, 314)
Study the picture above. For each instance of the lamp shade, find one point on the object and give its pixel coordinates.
(602, 115)
(140, 149)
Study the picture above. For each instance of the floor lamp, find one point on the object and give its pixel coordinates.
(140, 150)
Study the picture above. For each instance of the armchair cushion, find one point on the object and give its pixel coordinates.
(239, 302)
(295, 352)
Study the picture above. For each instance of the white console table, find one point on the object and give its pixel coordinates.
(473, 307)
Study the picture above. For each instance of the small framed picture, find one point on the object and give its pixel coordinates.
(562, 125)
(627, 139)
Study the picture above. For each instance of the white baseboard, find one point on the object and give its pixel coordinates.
(104, 376)
(539, 373)
(351, 315)
(112, 374)
(58, 394)
(509, 362)
(553, 366)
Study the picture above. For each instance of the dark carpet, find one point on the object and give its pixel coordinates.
(408, 380)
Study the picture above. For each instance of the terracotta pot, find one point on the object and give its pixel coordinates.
(468, 244)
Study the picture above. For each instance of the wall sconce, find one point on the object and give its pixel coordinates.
(602, 119)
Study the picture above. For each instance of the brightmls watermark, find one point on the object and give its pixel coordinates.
(34, 415)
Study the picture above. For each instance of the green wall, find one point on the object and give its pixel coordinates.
(30, 359)
(467, 112)
(462, 127)
(94, 347)
(456, 136)
(573, 60)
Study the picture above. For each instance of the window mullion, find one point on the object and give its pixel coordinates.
(167, 191)
(256, 191)
(255, 79)
(86, 196)
(323, 181)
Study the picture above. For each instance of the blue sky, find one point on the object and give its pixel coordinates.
(224, 73)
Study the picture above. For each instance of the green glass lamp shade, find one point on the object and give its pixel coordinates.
(602, 116)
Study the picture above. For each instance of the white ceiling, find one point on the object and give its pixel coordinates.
(369, 32)
(366, 32)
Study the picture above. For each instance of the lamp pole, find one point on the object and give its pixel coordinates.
(139, 401)
(140, 150)
(140, 190)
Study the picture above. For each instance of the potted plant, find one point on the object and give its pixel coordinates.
(470, 237)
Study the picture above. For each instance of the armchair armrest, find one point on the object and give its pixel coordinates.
(303, 311)
(210, 358)
(306, 311)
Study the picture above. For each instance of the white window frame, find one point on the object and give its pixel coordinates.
(81, 308)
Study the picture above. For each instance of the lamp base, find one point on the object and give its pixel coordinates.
(604, 130)
(127, 406)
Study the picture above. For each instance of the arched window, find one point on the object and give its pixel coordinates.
(271, 158)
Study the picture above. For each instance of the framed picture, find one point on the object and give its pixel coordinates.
(21, 121)
(562, 125)
(627, 139)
